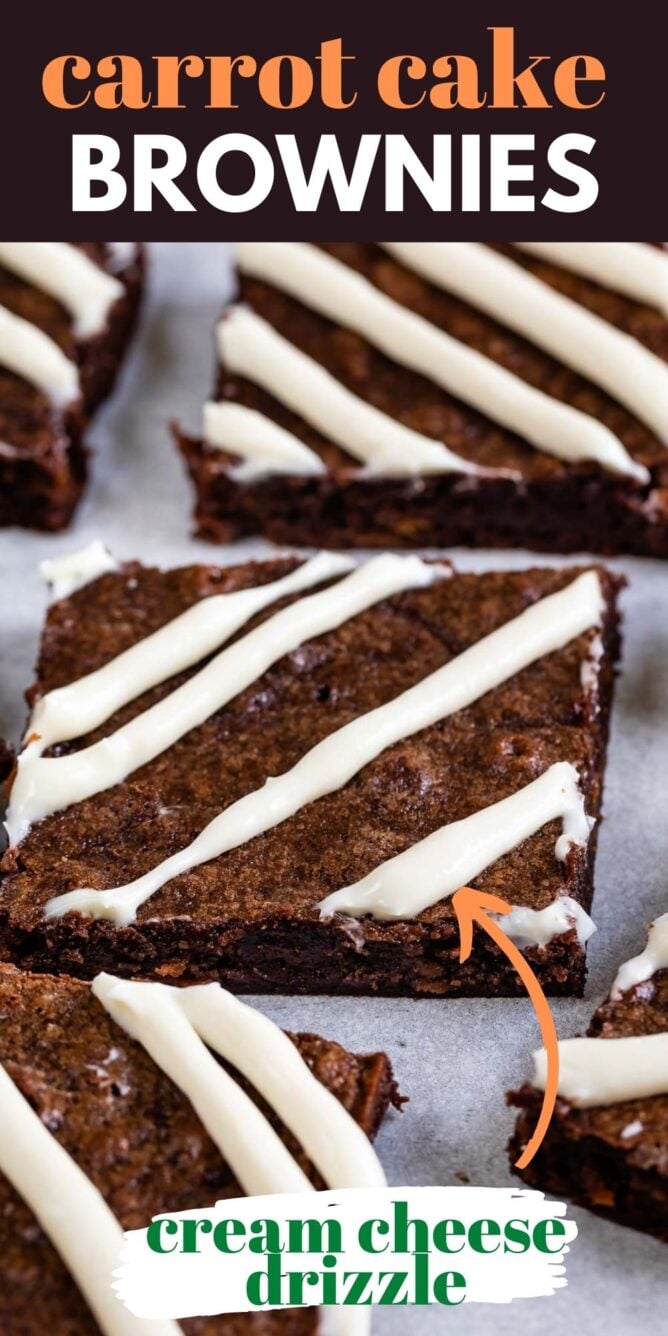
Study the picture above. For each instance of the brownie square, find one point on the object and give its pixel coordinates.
(43, 455)
(137, 1138)
(250, 917)
(550, 505)
(613, 1158)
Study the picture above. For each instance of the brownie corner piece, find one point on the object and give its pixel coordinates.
(250, 915)
(43, 451)
(610, 1158)
(138, 1138)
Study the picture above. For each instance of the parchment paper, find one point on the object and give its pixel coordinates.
(454, 1059)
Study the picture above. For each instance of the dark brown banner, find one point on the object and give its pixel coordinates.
(343, 120)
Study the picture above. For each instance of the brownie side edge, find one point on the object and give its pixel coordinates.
(579, 513)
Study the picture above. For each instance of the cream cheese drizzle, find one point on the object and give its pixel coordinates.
(596, 1072)
(541, 629)
(642, 967)
(28, 352)
(619, 364)
(539, 927)
(178, 1027)
(66, 574)
(48, 784)
(250, 347)
(630, 267)
(264, 446)
(71, 1211)
(76, 709)
(454, 855)
(339, 293)
(66, 273)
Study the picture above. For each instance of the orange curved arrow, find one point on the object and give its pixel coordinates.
(470, 906)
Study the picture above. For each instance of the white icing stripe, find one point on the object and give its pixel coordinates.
(621, 365)
(451, 857)
(608, 1071)
(539, 630)
(250, 347)
(339, 293)
(629, 267)
(643, 966)
(178, 1027)
(30, 353)
(538, 927)
(71, 1211)
(67, 274)
(66, 574)
(76, 709)
(261, 1052)
(155, 1015)
(48, 784)
(264, 447)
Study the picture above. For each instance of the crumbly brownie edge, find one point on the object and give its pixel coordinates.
(41, 491)
(422, 960)
(592, 513)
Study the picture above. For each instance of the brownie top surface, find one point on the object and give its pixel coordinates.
(131, 1131)
(481, 754)
(423, 406)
